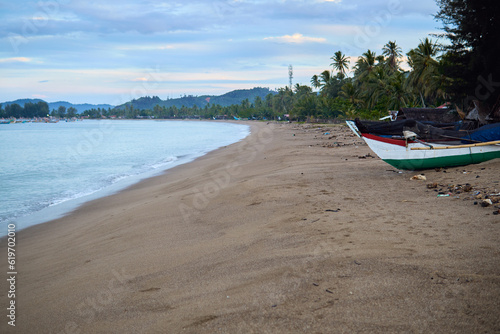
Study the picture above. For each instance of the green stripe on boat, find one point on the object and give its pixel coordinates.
(448, 161)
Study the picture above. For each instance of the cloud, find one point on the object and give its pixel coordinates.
(296, 38)
(89, 48)
(15, 60)
(138, 46)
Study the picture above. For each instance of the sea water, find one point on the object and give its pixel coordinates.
(48, 169)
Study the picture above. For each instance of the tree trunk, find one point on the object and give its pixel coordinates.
(422, 99)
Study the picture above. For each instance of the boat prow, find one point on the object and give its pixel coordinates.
(414, 154)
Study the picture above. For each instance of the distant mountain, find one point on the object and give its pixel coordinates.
(80, 107)
(21, 102)
(55, 105)
(233, 97)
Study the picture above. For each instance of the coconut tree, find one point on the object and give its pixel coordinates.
(315, 82)
(393, 52)
(350, 113)
(351, 92)
(424, 75)
(398, 95)
(380, 59)
(283, 101)
(365, 65)
(376, 85)
(325, 78)
(302, 90)
(326, 83)
(386, 89)
(340, 63)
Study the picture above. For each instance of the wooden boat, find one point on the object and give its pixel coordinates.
(408, 152)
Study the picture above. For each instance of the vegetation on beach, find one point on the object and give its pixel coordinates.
(29, 110)
(464, 73)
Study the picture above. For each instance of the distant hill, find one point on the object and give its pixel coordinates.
(55, 105)
(80, 107)
(233, 97)
(230, 98)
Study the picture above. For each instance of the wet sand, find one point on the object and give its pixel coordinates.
(288, 231)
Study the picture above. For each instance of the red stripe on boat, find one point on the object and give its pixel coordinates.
(399, 142)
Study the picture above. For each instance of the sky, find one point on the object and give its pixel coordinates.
(89, 51)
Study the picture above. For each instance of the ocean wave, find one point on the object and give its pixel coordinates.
(165, 162)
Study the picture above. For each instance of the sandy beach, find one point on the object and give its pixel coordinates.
(295, 229)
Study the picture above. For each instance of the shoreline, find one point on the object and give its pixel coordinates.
(116, 189)
(289, 230)
(68, 205)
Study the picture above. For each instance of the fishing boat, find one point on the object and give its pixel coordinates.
(435, 147)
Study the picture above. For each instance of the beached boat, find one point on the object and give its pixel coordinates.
(407, 151)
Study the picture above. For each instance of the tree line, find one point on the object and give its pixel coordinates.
(36, 110)
(29, 110)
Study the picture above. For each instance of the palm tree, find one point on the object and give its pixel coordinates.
(283, 101)
(365, 65)
(302, 91)
(350, 113)
(387, 87)
(315, 81)
(350, 91)
(340, 63)
(325, 78)
(393, 52)
(380, 59)
(376, 85)
(398, 96)
(424, 74)
(329, 84)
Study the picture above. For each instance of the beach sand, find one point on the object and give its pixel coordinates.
(289, 231)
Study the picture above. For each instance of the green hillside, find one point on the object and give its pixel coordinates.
(233, 97)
